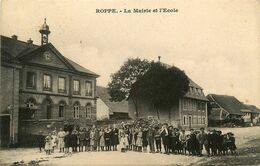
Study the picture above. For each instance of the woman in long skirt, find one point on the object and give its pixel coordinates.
(102, 139)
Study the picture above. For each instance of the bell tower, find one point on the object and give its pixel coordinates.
(45, 31)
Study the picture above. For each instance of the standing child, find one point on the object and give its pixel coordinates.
(139, 141)
(123, 142)
(158, 142)
(48, 144)
(183, 139)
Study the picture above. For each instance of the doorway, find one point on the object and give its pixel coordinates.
(5, 130)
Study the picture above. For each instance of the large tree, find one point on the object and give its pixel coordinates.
(162, 86)
(121, 82)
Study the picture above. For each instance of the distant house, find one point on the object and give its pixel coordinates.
(252, 113)
(106, 109)
(190, 112)
(223, 107)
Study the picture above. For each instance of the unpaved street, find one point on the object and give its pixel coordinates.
(247, 139)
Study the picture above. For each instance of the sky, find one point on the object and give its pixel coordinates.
(216, 43)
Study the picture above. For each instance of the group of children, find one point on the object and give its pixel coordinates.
(140, 139)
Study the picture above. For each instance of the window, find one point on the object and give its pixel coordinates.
(76, 111)
(31, 80)
(88, 111)
(184, 120)
(199, 106)
(62, 84)
(202, 106)
(203, 120)
(199, 120)
(193, 105)
(88, 87)
(30, 111)
(61, 109)
(46, 82)
(76, 86)
(185, 104)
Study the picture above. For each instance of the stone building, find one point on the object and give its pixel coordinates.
(41, 89)
(190, 112)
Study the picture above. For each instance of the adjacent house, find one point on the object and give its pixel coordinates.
(107, 109)
(190, 112)
(223, 107)
(41, 89)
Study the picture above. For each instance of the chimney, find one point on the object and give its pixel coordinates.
(30, 41)
(14, 37)
(159, 58)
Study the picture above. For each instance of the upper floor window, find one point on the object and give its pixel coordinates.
(203, 120)
(31, 80)
(62, 84)
(76, 86)
(88, 111)
(88, 87)
(195, 119)
(185, 104)
(46, 82)
(202, 106)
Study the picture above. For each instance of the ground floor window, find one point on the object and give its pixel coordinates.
(88, 111)
(199, 120)
(203, 120)
(184, 122)
(61, 109)
(76, 111)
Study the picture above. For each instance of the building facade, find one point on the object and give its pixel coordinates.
(190, 112)
(49, 90)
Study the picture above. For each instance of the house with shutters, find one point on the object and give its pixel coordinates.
(190, 112)
(41, 89)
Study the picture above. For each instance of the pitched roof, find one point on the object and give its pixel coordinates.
(14, 49)
(229, 103)
(103, 94)
(253, 108)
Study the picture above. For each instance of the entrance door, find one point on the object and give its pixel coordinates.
(190, 121)
(5, 130)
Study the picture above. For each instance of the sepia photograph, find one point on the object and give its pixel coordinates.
(129, 82)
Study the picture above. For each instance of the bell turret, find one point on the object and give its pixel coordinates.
(45, 31)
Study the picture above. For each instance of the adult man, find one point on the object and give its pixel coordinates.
(165, 138)
(151, 135)
(61, 135)
(202, 138)
(158, 142)
(183, 139)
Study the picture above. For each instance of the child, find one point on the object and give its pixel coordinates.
(124, 142)
(48, 144)
(139, 141)
(232, 145)
(158, 141)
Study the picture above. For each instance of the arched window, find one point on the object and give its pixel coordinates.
(76, 110)
(62, 105)
(29, 113)
(47, 108)
(88, 111)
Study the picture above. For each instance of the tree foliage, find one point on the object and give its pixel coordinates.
(162, 85)
(122, 81)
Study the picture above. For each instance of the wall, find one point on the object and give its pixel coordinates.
(102, 110)
(9, 98)
(146, 110)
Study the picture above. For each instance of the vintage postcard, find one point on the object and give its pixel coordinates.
(129, 82)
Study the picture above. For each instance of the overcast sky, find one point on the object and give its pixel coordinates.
(217, 43)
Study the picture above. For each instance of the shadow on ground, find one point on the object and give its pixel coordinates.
(248, 154)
